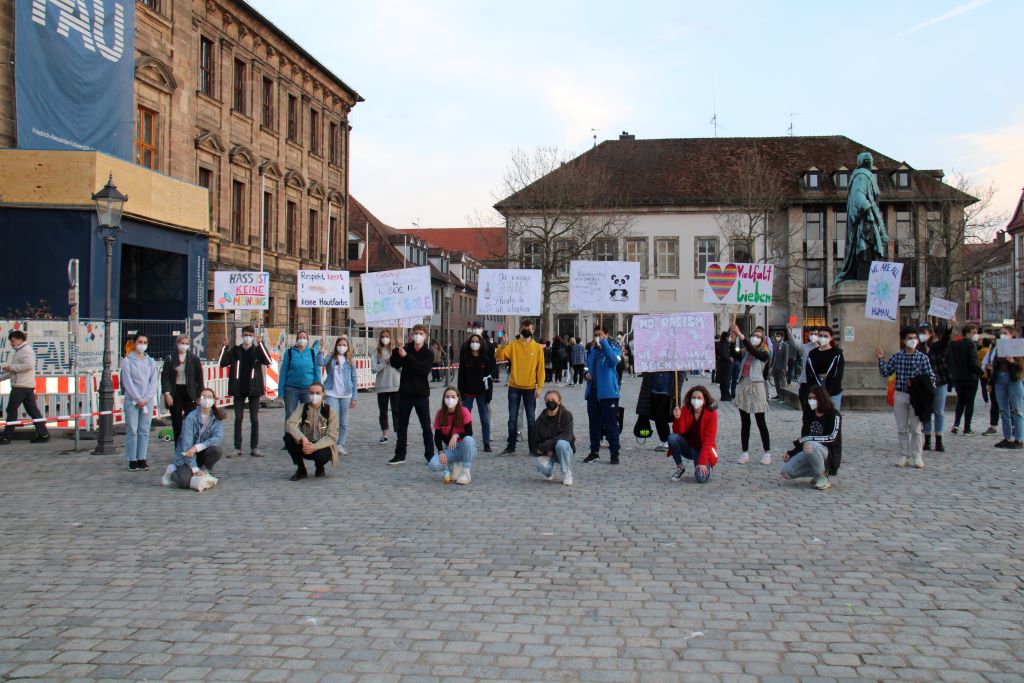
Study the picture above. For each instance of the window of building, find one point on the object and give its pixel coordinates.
(206, 63)
(904, 226)
(205, 179)
(290, 218)
(933, 223)
(842, 180)
(815, 224)
(562, 256)
(314, 131)
(154, 5)
(238, 98)
(268, 104)
(334, 143)
(293, 315)
(293, 118)
(636, 251)
(335, 238)
(268, 220)
(604, 250)
(909, 278)
(705, 251)
(666, 257)
(812, 180)
(237, 210)
(313, 236)
(902, 180)
(533, 254)
(145, 138)
(814, 276)
(353, 249)
(839, 235)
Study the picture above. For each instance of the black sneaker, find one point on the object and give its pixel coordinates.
(4, 440)
(487, 448)
(132, 465)
(40, 438)
(968, 431)
(509, 450)
(143, 465)
(299, 474)
(320, 472)
(680, 471)
(382, 439)
(1005, 443)
(1016, 445)
(956, 429)
(614, 460)
(397, 460)
(591, 458)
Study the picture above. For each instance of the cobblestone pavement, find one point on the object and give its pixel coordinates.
(381, 573)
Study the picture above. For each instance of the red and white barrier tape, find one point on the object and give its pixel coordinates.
(59, 418)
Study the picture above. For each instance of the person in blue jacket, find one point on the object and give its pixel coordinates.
(300, 367)
(602, 394)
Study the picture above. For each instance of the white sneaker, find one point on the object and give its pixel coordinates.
(456, 470)
(342, 451)
(166, 480)
(919, 462)
(902, 462)
(663, 446)
(766, 459)
(464, 478)
(567, 480)
(745, 458)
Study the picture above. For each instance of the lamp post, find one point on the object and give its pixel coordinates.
(109, 205)
(446, 323)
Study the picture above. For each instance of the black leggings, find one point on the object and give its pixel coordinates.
(762, 427)
(384, 399)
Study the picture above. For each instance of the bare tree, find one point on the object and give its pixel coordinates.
(558, 210)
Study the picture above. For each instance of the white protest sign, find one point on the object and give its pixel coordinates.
(241, 290)
(674, 341)
(883, 302)
(604, 286)
(1010, 348)
(508, 292)
(391, 294)
(749, 284)
(322, 289)
(942, 308)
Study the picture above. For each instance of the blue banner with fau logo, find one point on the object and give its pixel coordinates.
(75, 75)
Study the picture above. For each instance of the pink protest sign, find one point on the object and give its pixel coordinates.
(674, 341)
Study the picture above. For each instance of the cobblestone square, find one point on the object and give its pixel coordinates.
(381, 573)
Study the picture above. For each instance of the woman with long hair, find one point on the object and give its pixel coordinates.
(340, 387)
(386, 384)
(825, 366)
(476, 368)
(453, 438)
(816, 454)
(751, 393)
(556, 440)
(198, 448)
(694, 430)
(1008, 372)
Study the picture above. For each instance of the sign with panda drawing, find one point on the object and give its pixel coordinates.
(604, 286)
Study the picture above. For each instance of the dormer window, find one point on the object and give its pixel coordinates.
(902, 179)
(842, 179)
(812, 179)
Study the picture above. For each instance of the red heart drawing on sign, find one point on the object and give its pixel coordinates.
(721, 279)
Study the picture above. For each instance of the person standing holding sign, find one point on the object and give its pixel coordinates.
(386, 384)
(751, 394)
(908, 365)
(415, 361)
(602, 394)
(936, 349)
(525, 382)
(245, 383)
(1008, 372)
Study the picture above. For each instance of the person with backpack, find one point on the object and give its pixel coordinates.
(246, 363)
(908, 364)
(751, 394)
(300, 367)
(312, 433)
(181, 380)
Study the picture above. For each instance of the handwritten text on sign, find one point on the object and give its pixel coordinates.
(942, 308)
(675, 341)
(883, 302)
(323, 288)
(241, 290)
(509, 292)
(749, 284)
(401, 293)
(604, 286)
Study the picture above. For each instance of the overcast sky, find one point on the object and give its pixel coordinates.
(452, 88)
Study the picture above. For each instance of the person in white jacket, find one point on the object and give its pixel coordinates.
(140, 381)
(21, 370)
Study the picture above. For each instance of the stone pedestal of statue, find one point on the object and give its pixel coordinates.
(863, 387)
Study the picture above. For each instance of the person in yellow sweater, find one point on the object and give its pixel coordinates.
(525, 382)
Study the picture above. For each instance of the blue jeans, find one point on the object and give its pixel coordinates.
(1010, 395)
(136, 437)
(529, 402)
(938, 416)
(485, 414)
(563, 456)
(837, 401)
(464, 453)
(293, 396)
(340, 406)
(681, 448)
(806, 464)
(737, 368)
(603, 414)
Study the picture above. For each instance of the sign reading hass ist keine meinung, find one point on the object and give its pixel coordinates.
(241, 290)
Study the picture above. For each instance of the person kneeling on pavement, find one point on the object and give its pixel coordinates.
(555, 439)
(453, 438)
(312, 434)
(693, 434)
(816, 454)
(198, 448)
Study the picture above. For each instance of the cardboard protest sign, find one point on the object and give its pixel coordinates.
(883, 302)
(942, 308)
(322, 289)
(749, 284)
(674, 341)
(508, 292)
(392, 294)
(604, 286)
(1010, 348)
(241, 290)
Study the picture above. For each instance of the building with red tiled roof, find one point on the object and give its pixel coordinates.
(1015, 228)
(485, 245)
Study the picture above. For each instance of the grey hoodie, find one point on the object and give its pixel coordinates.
(388, 377)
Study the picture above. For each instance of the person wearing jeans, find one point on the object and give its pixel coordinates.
(453, 439)
(415, 361)
(199, 445)
(555, 438)
(817, 452)
(525, 382)
(906, 365)
(936, 348)
(340, 387)
(140, 379)
(1008, 371)
(602, 394)
(476, 370)
(21, 370)
(694, 431)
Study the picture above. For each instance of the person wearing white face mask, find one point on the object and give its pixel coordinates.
(340, 387)
(385, 384)
(694, 431)
(246, 363)
(181, 381)
(312, 433)
(906, 365)
(476, 371)
(818, 451)
(751, 392)
(803, 381)
(964, 371)
(453, 439)
(140, 381)
(826, 365)
(1007, 373)
(936, 347)
(415, 361)
(300, 367)
(21, 370)
(198, 449)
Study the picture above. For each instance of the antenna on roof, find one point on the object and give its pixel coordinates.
(790, 129)
(714, 111)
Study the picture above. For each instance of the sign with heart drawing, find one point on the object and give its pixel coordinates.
(749, 284)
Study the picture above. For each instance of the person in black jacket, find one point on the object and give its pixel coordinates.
(723, 366)
(818, 451)
(181, 382)
(964, 371)
(245, 383)
(476, 372)
(416, 361)
(556, 441)
(936, 347)
(659, 394)
(825, 366)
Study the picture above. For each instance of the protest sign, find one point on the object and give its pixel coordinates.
(391, 294)
(942, 308)
(508, 292)
(1010, 348)
(749, 284)
(241, 290)
(674, 341)
(883, 302)
(323, 289)
(604, 286)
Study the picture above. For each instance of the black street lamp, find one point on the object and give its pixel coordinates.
(109, 206)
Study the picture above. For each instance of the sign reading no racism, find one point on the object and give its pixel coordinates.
(674, 341)
(397, 294)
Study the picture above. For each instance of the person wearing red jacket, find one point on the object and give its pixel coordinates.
(693, 434)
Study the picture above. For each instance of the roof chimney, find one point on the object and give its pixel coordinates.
(626, 135)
